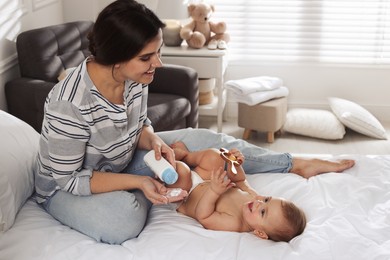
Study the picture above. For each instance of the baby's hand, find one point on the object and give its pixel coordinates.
(239, 157)
(219, 182)
(233, 157)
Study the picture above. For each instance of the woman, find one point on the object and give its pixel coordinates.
(96, 128)
(94, 121)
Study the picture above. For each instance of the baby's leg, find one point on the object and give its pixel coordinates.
(207, 161)
(196, 158)
(203, 161)
(181, 150)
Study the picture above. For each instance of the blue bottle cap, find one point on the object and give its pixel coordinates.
(169, 176)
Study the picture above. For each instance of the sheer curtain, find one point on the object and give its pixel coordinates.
(322, 31)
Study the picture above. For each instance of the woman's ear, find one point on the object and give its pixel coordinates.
(261, 234)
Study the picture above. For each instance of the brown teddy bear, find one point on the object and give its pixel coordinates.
(201, 31)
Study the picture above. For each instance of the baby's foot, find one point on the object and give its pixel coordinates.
(180, 150)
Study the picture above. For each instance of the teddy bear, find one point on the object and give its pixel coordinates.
(201, 31)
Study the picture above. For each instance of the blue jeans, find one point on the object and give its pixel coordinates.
(111, 217)
(115, 217)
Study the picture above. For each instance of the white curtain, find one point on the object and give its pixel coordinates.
(319, 31)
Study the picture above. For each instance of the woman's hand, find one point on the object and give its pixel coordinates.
(150, 141)
(157, 193)
(161, 149)
(154, 190)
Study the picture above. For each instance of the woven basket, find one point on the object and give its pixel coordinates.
(206, 91)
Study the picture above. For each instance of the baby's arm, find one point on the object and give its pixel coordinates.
(242, 183)
(240, 178)
(205, 211)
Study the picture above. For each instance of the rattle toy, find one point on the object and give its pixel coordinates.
(230, 159)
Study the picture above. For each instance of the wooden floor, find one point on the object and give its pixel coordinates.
(352, 143)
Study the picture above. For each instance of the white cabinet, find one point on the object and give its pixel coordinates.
(208, 64)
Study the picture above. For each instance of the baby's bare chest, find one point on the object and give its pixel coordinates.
(230, 202)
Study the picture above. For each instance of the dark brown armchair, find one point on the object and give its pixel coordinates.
(45, 52)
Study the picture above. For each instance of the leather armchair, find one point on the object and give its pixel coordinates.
(45, 52)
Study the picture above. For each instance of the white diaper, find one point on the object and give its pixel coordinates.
(196, 180)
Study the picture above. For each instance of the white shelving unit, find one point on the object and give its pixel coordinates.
(208, 64)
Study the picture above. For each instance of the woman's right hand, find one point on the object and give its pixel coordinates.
(154, 190)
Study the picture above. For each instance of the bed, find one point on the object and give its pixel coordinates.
(348, 216)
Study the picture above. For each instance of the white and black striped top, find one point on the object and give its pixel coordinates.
(82, 131)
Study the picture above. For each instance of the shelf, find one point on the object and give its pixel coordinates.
(212, 108)
(208, 64)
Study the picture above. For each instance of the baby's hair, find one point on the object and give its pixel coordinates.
(294, 223)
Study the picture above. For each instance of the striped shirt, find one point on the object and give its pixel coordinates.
(82, 131)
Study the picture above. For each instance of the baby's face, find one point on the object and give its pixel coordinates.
(263, 213)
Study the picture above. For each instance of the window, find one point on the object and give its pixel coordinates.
(323, 31)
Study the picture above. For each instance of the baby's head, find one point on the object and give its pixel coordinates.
(275, 219)
(293, 222)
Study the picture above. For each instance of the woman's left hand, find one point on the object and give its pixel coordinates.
(154, 190)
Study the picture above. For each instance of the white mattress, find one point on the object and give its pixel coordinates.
(348, 218)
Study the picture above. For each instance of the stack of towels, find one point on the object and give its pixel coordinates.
(252, 91)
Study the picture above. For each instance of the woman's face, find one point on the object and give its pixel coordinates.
(142, 67)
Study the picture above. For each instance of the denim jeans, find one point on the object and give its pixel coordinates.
(111, 217)
(115, 217)
(257, 159)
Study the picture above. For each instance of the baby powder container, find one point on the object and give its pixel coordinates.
(162, 168)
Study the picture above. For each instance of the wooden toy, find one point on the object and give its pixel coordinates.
(232, 160)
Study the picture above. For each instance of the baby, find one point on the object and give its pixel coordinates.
(222, 200)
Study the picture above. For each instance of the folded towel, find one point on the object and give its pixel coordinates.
(255, 84)
(260, 97)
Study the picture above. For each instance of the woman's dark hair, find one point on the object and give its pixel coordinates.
(121, 31)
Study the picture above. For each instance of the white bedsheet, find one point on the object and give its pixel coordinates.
(348, 218)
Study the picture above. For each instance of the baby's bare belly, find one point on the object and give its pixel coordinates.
(189, 204)
(224, 203)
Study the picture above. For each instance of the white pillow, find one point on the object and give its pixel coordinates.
(19, 147)
(357, 118)
(314, 123)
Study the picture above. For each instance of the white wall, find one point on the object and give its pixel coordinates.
(75, 10)
(89, 9)
(17, 16)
